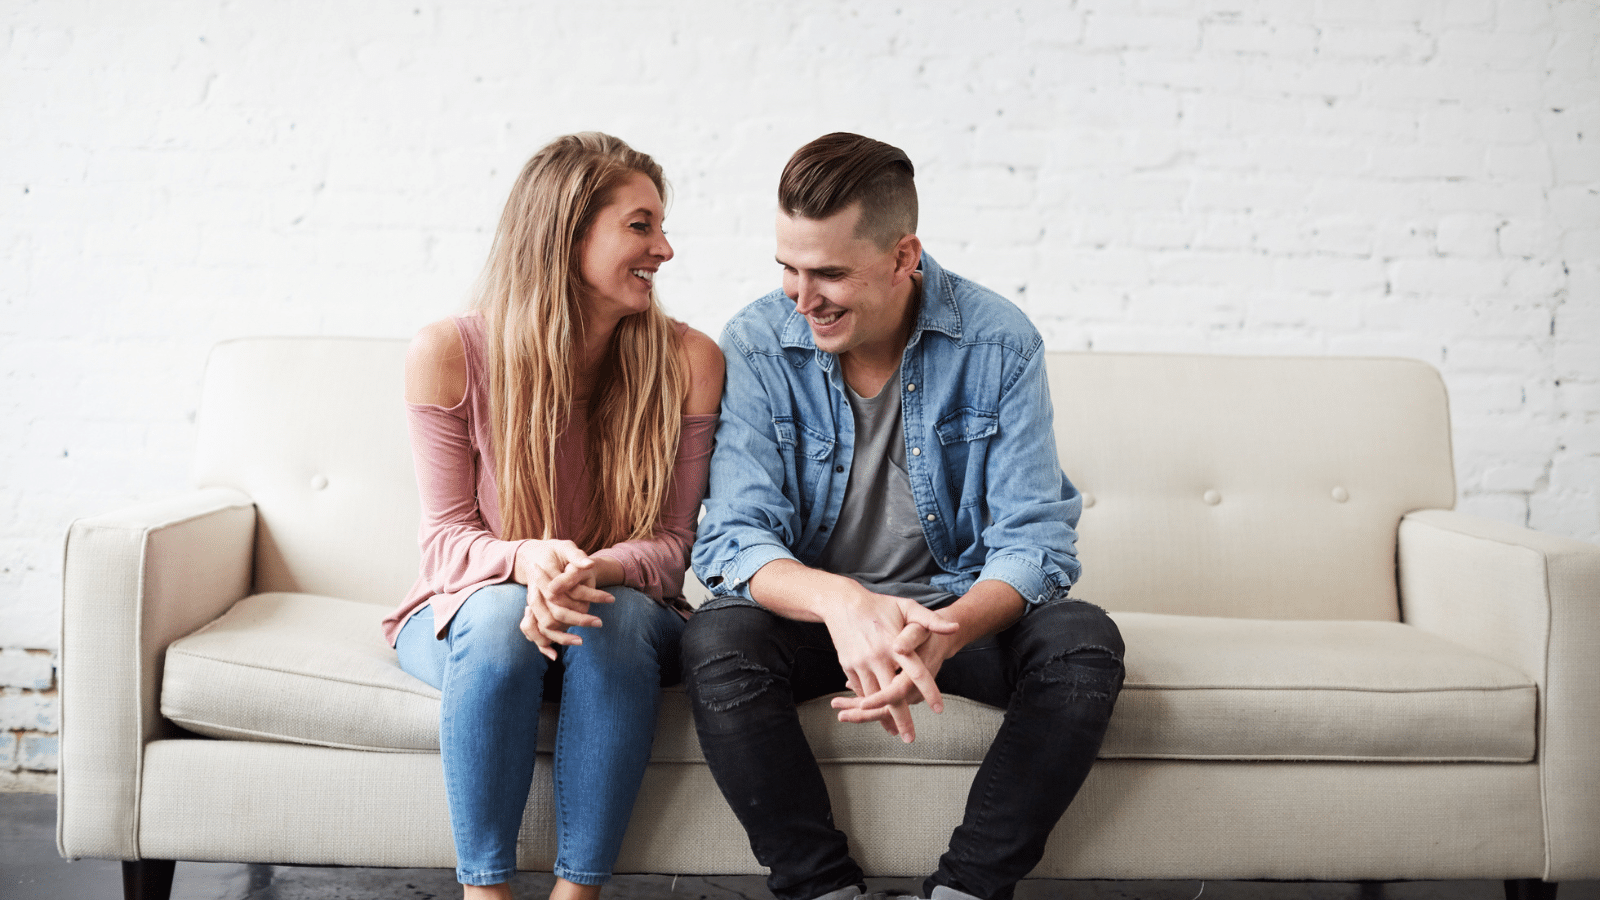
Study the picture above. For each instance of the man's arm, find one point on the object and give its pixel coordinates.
(748, 520)
(1031, 539)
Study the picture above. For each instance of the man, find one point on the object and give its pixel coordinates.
(887, 515)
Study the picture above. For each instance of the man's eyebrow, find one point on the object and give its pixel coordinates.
(820, 270)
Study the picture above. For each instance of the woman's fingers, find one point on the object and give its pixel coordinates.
(541, 625)
(530, 630)
(568, 616)
(572, 574)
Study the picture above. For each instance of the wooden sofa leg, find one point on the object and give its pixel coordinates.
(1530, 889)
(147, 879)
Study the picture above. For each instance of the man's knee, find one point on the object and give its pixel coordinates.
(724, 667)
(1076, 626)
(1080, 657)
(744, 629)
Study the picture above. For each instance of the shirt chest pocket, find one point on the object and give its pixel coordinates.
(806, 453)
(964, 450)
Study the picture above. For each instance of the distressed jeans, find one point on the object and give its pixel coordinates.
(493, 683)
(1056, 672)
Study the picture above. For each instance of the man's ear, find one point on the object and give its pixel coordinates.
(907, 256)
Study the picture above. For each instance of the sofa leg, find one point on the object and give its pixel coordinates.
(147, 879)
(1530, 889)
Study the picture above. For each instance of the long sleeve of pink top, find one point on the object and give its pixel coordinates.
(461, 550)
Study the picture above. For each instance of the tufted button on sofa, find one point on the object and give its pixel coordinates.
(1331, 676)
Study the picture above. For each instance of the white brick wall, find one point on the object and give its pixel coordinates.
(1411, 177)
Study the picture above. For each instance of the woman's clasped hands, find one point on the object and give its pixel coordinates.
(561, 582)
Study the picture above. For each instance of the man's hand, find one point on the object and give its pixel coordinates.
(988, 607)
(919, 653)
(561, 584)
(878, 639)
(890, 648)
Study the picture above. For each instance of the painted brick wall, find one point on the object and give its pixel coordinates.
(1406, 177)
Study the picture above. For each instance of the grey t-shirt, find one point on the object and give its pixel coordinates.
(878, 539)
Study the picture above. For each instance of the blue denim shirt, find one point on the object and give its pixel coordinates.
(980, 447)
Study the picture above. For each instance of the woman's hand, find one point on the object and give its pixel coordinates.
(561, 584)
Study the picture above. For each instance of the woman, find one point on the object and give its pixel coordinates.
(561, 434)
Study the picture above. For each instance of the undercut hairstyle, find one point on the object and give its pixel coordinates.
(531, 295)
(836, 170)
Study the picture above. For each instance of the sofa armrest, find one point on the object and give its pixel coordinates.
(133, 581)
(1533, 601)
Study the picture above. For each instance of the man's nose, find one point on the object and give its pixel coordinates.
(805, 295)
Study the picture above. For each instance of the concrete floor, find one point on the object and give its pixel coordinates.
(31, 870)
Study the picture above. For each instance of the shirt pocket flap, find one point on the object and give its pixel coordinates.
(810, 443)
(965, 425)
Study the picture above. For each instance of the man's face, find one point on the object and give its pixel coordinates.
(847, 288)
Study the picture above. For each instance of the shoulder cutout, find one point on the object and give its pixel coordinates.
(705, 374)
(436, 366)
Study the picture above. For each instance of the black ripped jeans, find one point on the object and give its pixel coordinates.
(1056, 672)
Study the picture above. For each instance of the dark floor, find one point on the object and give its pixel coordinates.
(31, 870)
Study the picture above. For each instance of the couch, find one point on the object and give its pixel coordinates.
(1331, 675)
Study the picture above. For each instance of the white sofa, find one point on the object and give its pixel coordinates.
(1331, 676)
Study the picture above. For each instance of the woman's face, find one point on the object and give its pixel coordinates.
(624, 247)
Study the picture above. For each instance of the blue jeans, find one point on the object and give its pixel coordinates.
(493, 683)
(1056, 672)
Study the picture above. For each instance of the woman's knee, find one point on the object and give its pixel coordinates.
(629, 611)
(633, 626)
(488, 625)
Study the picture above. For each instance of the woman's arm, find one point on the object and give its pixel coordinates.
(458, 550)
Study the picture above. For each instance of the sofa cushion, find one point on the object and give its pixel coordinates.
(1214, 688)
(314, 670)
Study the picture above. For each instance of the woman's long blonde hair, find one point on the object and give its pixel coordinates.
(531, 299)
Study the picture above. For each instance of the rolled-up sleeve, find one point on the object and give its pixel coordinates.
(1031, 538)
(748, 520)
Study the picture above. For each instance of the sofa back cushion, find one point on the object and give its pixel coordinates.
(314, 430)
(1253, 487)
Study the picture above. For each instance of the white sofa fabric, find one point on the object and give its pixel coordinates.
(1330, 675)
(308, 669)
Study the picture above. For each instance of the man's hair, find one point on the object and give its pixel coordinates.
(836, 170)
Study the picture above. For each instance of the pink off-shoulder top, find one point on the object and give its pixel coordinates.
(461, 550)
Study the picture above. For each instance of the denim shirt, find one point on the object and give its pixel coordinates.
(980, 447)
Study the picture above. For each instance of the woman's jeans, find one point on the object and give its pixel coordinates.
(1056, 672)
(492, 679)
